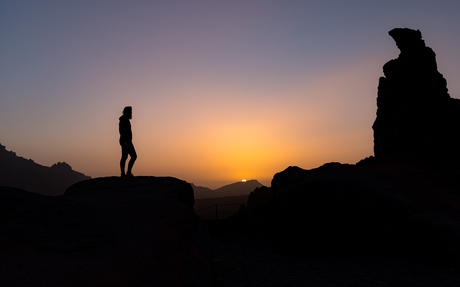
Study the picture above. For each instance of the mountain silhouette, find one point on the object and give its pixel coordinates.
(233, 189)
(16, 171)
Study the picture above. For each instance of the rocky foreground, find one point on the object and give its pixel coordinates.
(104, 232)
(369, 209)
(368, 224)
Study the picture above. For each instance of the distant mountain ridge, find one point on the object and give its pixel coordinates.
(233, 189)
(16, 171)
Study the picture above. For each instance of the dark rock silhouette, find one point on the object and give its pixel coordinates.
(417, 121)
(405, 201)
(259, 197)
(341, 209)
(104, 232)
(25, 174)
(233, 189)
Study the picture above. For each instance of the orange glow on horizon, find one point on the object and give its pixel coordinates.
(205, 138)
(202, 133)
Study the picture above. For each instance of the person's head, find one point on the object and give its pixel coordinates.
(128, 111)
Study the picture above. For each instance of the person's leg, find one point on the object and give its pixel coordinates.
(133, 155)
(124, 157)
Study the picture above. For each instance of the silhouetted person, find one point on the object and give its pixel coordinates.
(126, 142)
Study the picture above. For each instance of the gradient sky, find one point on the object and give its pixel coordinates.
(220, 90)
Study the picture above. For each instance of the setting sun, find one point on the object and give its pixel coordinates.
(243, 180)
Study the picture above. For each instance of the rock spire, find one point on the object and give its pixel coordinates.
(417, 121)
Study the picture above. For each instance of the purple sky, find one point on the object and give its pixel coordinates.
(221, 90)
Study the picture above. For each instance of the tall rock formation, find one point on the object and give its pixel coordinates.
(417, 121)
(410, 209)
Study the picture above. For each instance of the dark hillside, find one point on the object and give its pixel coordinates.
(24, 173)
(233, 189)
(220, 207)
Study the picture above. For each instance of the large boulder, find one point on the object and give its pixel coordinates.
(362, 209)
(104, 232)
(417, 120)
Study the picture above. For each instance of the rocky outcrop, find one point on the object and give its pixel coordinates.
(104, 232)
(25, 174)
(417, 121)
(405, 201)
(259, 197)
(362, 209)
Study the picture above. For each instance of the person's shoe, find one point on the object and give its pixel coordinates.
(130, 175)
(123, 175)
